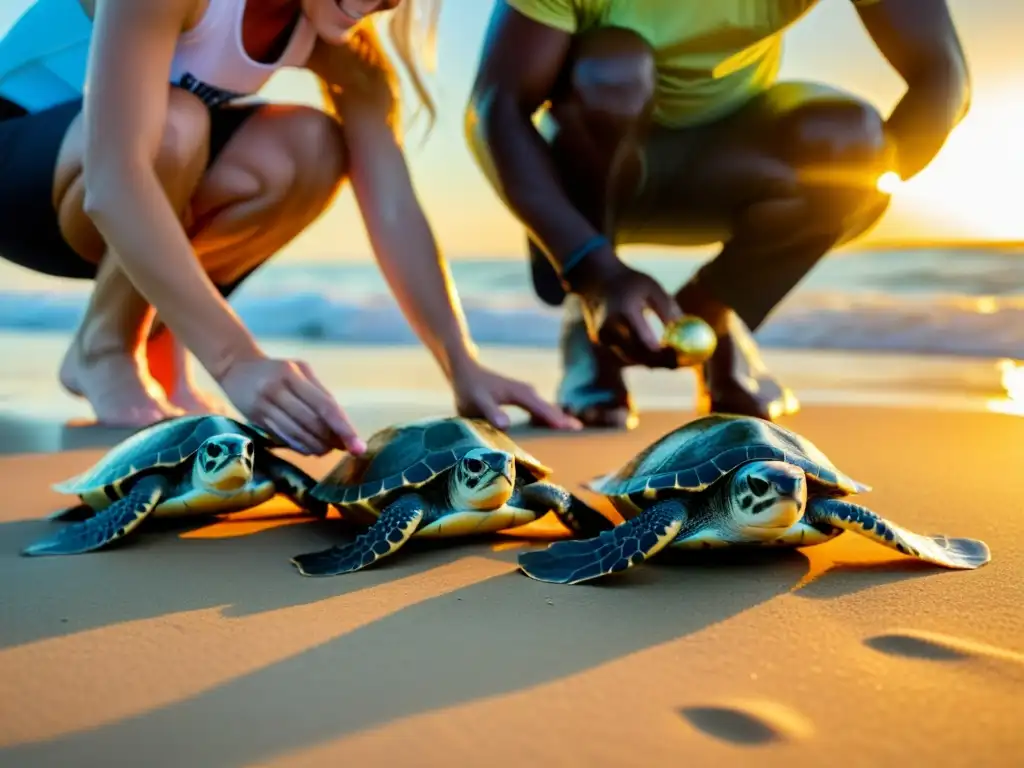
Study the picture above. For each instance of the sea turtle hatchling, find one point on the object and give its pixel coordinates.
(179, 467)
(438, 478)
(722, 481)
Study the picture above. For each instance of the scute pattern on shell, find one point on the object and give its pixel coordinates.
(410, 455)
(164, 444)
(701, 452)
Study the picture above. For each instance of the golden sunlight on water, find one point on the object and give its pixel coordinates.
(986, 305)
(1011, 377)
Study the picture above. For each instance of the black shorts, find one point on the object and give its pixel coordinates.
(29, 143)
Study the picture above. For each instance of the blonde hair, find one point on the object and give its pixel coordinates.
(411, 35)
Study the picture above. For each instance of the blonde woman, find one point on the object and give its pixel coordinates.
(167, 193)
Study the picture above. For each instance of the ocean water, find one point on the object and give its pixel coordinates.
(943, 301)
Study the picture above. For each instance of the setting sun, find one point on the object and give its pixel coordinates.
(974, 184)
(889, 182)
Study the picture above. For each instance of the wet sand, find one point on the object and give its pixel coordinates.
(202, 646)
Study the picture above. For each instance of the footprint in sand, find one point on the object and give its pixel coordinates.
(938, 647)
(749, 723)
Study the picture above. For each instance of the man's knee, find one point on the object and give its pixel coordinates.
(839, 130)
(613, 75)
(838, 148)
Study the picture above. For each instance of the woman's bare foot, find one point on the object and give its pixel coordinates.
(192, 399)
(117, 387)
(171, 367)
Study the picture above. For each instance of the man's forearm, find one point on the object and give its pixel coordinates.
(926, 115)
(515, 161)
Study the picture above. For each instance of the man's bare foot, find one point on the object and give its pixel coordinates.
(171, 367)
(120, 392)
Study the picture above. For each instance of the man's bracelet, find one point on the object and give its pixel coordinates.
(574, 259)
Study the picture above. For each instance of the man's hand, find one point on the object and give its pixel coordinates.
(614, 297)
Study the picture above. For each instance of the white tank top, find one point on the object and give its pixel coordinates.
(43, 57)
(211, 62)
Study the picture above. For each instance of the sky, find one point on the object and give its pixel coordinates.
(967, 193)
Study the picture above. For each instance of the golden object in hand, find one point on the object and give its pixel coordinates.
(692, 338)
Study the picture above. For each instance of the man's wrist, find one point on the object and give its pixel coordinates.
(592, 262)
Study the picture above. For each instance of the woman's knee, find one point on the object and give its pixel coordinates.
(185, 142)
(613, 75)
(282, 154)
(318, 152)
(179, 162)
(276, 174)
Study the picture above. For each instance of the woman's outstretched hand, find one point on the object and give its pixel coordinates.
(284, 397)
(480, 393)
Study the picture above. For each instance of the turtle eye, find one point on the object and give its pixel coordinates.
(213, 450)
(758, 485)
(475, 466)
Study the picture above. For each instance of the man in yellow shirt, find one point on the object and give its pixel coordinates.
(604, 122)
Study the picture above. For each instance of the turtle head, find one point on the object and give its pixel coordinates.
(483, 479)
(766, 498)
(224, 462)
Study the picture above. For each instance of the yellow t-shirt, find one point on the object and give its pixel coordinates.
(712, 55)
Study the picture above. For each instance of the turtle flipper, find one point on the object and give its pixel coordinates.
(113, 523)
(393, 528)
(937, 549)
(75, 514)
(615, 550)
(578, 516)
(292, 483)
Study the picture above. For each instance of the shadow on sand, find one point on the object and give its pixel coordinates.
(157, 571)
(502, 634)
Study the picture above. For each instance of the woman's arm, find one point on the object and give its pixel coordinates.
(360, 86)
(125, 110)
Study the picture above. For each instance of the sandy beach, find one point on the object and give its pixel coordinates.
(200, 645)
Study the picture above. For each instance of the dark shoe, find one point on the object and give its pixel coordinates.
(736, 379)
(592, 387)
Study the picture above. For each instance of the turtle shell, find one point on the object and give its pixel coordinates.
(411, 455)
(698, 454)
(163, 445)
